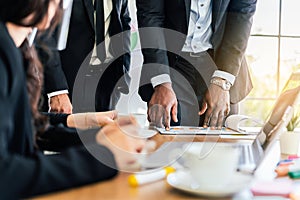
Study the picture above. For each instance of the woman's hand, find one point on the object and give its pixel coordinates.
(122, 138)
(103, 118)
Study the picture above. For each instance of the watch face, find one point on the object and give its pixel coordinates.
(227, 86)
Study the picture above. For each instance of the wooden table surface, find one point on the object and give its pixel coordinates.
(118, 187)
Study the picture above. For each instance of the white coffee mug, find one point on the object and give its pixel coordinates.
(140, 118)
(212, 169)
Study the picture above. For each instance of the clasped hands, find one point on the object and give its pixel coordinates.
(163, 106)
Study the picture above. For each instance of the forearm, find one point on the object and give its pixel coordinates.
(83, 121)
(79, 120)
(57, 118)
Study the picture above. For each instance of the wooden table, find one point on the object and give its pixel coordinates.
(118, 187)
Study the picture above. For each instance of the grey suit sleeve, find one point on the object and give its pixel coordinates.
(151, 20)
(236, 34)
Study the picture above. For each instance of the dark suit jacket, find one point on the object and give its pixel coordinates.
(231, 24)
(80, 44)
(25, 171)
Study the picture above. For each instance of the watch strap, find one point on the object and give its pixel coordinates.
(224, 84)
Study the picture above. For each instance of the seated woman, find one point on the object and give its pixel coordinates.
(24, 170)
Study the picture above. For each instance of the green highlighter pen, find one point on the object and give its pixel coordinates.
(294, 174)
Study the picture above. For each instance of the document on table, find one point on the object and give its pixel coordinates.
(193, 130)
(231, 128)
(222, 133)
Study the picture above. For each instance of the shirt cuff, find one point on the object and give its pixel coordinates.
(163, 78)
(225, 75)
(52, 94)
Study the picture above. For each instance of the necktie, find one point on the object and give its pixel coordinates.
(107, 17)
(102, 12)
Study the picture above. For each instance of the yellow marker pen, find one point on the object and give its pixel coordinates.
(135, 180)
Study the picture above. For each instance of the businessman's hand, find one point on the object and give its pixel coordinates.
(163, 106)
(60, 103)
(216, 103)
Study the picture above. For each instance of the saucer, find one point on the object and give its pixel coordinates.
(182, 180)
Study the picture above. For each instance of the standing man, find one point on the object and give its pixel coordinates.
(200, 67)
(105, 70)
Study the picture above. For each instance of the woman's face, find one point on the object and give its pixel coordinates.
(45, 23)
(19, 33)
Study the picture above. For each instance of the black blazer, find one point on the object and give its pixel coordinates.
(24, 171)
(231, 24)
(81, 42)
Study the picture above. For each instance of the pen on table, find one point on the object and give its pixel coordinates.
(292, 157)
(285, 162)
(288, 162)
(288, 167)
(282, 170)
(143, 178)
(294, 170)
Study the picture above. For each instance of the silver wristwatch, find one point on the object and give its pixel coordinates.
(224, 84)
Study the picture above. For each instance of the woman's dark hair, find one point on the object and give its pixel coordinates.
(15, 11)
(34, 82)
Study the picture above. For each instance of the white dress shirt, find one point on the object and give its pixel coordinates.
(198, 38)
